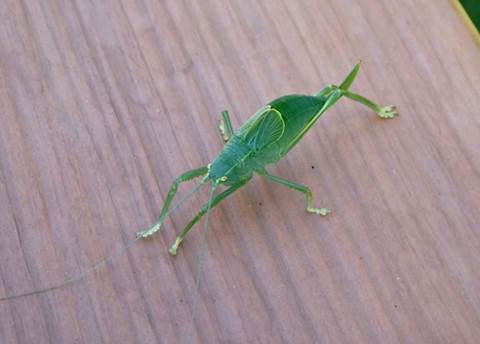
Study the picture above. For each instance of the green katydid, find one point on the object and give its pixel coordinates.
(264, 139)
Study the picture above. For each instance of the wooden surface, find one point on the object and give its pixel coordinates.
(103, 103)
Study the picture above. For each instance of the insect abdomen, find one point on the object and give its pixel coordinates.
(297, 112)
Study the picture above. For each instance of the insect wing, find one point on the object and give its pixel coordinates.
(267, 129)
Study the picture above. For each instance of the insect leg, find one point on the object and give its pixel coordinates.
(217, 199)
(225, 126)
(171, 194)
(350, 77)
(383, 112)
(326, 91)
(299, 187)
(388, 111)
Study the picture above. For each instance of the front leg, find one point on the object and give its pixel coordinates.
(217, 199)
(299, 187)
(171, 194)
(225, 126)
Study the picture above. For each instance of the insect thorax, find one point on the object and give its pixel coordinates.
(235, 162)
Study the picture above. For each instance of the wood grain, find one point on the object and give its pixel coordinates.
(103, 103)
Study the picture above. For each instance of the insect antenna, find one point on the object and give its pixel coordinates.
(104, 261)
(200, 259)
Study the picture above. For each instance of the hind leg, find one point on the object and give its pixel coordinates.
(388, 111)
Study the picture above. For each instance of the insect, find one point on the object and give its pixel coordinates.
(265, 138)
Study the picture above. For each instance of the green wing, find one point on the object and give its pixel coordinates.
(266, 129)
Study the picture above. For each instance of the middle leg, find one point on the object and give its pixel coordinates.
(225, 126)
(299, 187)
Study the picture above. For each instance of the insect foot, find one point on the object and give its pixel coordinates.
(148, 232)
(319, 211)
(173, 249)
(388, 111)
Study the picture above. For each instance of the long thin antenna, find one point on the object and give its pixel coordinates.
(105, 260)
(200, 260)
(79, 277)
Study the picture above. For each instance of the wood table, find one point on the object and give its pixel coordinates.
(104, 103)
